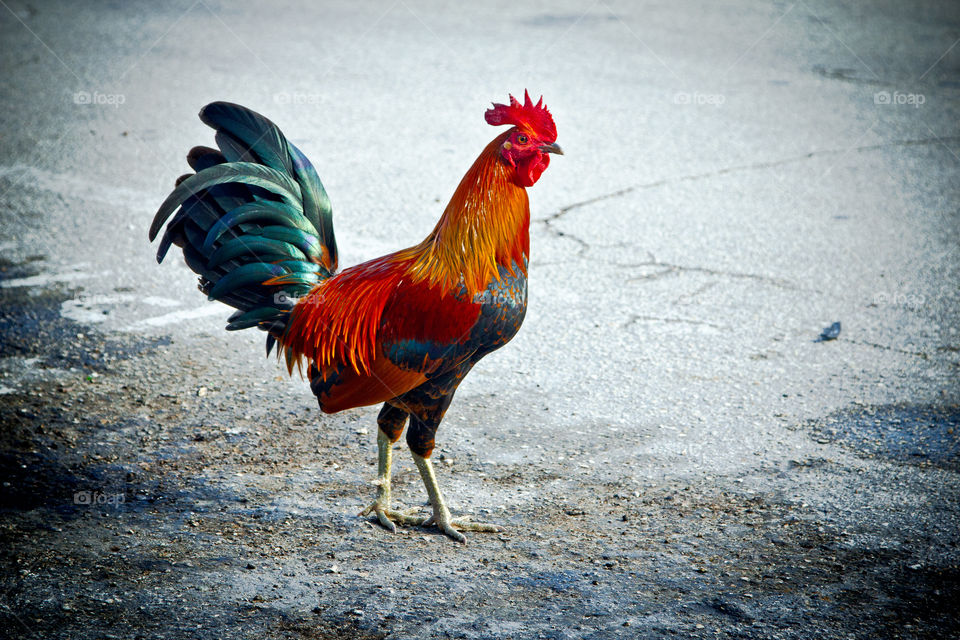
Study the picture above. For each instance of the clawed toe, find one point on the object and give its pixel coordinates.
(453, 534)
(389, 518)
(465, 524)
(406, 516)
(453, 527)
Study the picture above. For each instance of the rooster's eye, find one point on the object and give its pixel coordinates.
(521, 139)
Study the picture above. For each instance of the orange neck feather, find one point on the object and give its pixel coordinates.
(486, 224)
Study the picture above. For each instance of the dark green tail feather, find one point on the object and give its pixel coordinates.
(254, 211)
(255, 133)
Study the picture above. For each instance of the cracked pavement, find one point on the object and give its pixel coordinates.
(669, 449)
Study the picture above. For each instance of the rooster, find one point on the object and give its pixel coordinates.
(255, 223)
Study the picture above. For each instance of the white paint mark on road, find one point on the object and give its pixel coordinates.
(77, 187)
(45, 279)
(177, 316)
(91, 309)
(157, 301)
(18, 372)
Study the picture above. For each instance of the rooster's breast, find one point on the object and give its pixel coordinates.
(503, 305)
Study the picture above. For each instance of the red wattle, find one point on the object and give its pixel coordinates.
(530, 169)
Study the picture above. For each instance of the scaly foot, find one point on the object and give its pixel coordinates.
(381, 506)
(388, 517)
(452, 526)
(441, 515)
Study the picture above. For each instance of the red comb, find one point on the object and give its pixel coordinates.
(534, 117)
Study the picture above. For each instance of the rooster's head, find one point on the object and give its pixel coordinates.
(534, 135)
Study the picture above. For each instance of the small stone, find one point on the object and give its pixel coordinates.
(202, 391)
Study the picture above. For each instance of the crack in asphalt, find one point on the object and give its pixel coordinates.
(754, 166)
(668, 268)
(876, 345)
(635, 318)
(688, 298)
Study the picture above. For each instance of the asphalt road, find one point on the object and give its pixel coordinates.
(671, 450)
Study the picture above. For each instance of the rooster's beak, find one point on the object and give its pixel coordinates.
(552, 148)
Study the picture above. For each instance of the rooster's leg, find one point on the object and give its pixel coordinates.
(420, 438)
(391, 421)
(441, 515)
